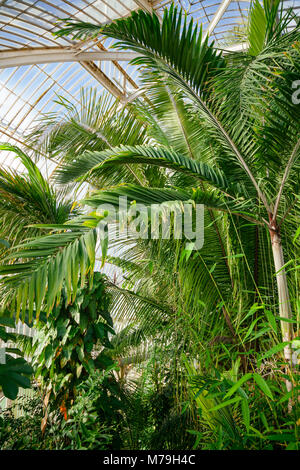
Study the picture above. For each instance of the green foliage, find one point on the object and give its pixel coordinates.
(55, 260)
(98, 124)
(211, 129)
(63, 348)
(95, 418)
(83, 430)
(27, 199)
(14, 433)
(15, 372)
(251, 419)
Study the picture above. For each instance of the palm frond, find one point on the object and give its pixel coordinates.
(47, 264)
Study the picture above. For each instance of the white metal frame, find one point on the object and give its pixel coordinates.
(33, 56)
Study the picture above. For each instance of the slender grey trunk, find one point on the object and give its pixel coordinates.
(285, 310)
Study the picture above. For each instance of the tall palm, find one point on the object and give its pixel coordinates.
(228, 142)
(150, 265)
(246, 111)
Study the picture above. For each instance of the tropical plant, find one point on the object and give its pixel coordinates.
(27, 199)
(245, 112)
(63, 347)
(15, 372)
(213, 129)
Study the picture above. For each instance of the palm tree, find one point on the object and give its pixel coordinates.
(248, 125)
(28, 199)
(216, 130)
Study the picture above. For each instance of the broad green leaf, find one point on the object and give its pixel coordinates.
(263, 385)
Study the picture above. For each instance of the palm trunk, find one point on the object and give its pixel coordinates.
(285, 310)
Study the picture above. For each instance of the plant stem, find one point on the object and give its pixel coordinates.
(285, 310)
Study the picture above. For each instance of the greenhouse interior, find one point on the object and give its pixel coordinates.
(150, 225)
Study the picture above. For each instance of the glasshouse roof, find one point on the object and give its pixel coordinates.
(36, 66)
